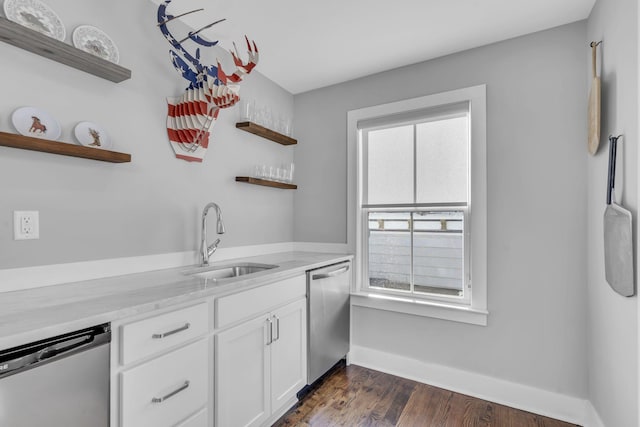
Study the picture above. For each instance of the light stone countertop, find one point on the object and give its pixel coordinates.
(39, 313)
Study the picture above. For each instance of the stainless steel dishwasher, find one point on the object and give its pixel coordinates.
(328, 291)
(57, 382)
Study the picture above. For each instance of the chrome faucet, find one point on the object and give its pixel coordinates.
(207, 250)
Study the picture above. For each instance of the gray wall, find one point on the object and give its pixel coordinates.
(92, 210)
(613, 327)
(536, 206)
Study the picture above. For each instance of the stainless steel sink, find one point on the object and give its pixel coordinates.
(228, 271)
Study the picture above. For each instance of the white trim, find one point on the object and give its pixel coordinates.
(280, 412)
(476, 96)
(636, 231)
(550, 404)
(592, 418)
(46, 275)
(338, 248)
(253, 250)
(418, 307)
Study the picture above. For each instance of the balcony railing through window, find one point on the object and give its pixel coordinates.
(420, 252)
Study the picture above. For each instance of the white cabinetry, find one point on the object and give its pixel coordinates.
(261, 361)
(167, 389)
(162, 372)
(198, 420)
(288, 353)
(242, 379)
(161, 332)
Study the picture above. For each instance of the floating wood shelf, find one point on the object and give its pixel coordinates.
(62, 148)
(40, 44)
(266, 133)
(266, 183)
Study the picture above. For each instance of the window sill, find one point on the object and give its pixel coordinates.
(418, 307)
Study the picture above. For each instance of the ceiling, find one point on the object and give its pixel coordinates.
(305, 45)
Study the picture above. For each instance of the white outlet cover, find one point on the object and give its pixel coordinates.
(26, 225)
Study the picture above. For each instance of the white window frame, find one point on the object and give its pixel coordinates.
(474, 310)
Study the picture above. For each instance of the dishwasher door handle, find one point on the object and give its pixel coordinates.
(54, 350)
(330, 273)
(44, 354)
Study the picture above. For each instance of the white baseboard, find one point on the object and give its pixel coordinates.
(554, 405)
(280, 412)
(592, 417)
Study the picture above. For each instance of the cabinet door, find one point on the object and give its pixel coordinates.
(288, 353)
(242, 374)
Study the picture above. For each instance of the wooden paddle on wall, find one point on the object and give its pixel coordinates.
(594, 104)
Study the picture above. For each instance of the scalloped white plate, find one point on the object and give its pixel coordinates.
(31, 121)
(92, 135)
(96, 42)
(35, 15)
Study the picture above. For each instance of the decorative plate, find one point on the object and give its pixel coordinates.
(95, 41)
(31, 121)
(92, 135)
(35, 15)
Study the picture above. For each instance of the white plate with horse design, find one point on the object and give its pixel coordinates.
(35, 15)
(34, 122)
(92, 135)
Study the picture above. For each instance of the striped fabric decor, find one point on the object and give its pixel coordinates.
(191, 116)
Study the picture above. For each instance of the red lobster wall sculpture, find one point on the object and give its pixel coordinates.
(210, 89)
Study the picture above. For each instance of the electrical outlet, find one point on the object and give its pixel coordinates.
(26, 225)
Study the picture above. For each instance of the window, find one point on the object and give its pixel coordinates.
(414, 202)
(418, 190)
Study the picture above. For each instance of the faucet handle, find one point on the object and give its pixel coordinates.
(213, 247)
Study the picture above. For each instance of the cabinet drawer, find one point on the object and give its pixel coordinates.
(166, 390)
(149, 336)
(198, 420)
(244, 305)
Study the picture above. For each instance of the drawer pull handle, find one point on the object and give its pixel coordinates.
(173, 393)
(175, 331)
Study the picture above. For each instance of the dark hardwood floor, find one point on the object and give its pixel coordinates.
(356, 396)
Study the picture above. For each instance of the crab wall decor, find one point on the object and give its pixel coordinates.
(191, 116)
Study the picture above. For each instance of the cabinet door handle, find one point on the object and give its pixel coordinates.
(277, 337)
(173, 393)
(269, 332)
(175, 331)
